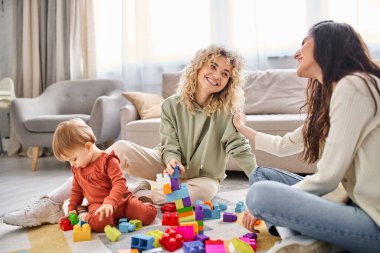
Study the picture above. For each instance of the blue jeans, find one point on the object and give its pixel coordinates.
(346, 226)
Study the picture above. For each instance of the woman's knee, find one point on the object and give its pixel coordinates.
(257, 175)
(119, 147)
(202, 188)
(257, 196)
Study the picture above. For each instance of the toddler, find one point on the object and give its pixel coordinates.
(97, 176)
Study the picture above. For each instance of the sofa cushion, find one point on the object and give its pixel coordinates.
(276, 124)
(144, 132)
(274, 92)
(148, 105)
(48, 123)
(170, 82)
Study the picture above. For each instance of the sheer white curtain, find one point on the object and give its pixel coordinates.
(137, 40)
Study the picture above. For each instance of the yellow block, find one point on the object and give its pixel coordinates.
(187, 218)
(178, 203)
(157, 234)
(82, 233)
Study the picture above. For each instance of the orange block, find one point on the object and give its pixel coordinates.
(208, 202)
(128, 251)
(185, 214)
(167, 189)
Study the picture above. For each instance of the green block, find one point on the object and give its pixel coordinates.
(112, 233)
(238, 246)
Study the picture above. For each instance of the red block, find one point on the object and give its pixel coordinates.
(65, 224)
(171, 240)
(168, 207)
(170, 219)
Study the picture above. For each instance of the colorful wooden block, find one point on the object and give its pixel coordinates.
(65, 224)
(142, 242)
(170, 219)
(81, 233)
(73, 218)
(171, 240)
(168, 207)
(112, 233)
(137, 223)
(229, 217)
(161, 180)
(250, 242)
(238, 246)
(194, 247)
(157, 234)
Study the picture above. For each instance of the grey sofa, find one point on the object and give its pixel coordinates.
(273, 100)
(94, 101)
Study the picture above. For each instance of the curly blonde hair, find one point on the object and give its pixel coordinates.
(231, 98)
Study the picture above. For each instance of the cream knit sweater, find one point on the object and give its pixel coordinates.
(351, 153)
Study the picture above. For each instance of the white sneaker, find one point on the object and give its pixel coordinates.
(39, 212)
(300, 244)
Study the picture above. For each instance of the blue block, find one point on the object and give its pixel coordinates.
(222, 206)
(206, 212)
(193, 247)
(121, 220)
(178, 194)
(126, 227)
(176, 172)
(142, 242)
(240, 207)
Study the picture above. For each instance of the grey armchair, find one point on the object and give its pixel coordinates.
(97, 102)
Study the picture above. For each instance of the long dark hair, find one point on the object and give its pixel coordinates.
(339, 51)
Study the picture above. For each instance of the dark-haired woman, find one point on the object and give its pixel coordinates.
(342, 134)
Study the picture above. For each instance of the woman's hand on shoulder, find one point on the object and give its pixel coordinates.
(171, 165)
(239, 119)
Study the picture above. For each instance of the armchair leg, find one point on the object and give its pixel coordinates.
(35, 151)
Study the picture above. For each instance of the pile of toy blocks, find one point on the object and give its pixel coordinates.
(185, 225)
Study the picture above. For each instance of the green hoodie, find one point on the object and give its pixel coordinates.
(202, 144)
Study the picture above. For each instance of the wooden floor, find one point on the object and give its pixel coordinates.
(19, 186)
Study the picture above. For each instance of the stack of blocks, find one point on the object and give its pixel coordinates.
(190, 223)
(180, 196)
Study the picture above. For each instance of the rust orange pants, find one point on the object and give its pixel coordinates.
(131, 208)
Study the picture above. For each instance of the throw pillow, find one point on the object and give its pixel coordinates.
(148, 105)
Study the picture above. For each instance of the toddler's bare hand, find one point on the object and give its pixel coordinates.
(105, 209)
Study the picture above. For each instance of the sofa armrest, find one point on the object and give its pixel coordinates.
(128, 113)
(105, 117)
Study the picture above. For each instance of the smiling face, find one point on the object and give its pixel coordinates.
(213, 76)
(307, 65)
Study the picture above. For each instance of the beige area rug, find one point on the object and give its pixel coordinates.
(50, 238)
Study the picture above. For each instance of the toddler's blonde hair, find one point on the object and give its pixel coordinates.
(69, 135)
(231, 98)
